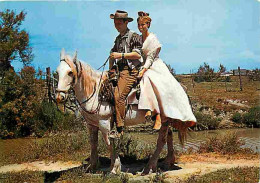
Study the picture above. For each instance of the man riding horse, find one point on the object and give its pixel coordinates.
(125, 57)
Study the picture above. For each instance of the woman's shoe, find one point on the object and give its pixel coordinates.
(158, 122)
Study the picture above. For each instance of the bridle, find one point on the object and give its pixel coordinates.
(73, 83)
(72, 86)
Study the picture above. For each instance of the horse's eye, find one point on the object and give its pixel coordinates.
(70, 73)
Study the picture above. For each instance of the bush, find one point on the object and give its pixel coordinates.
(227, 144)
(49, 118)
(224, 79)
(252, 118)
(23, 110)
(20, 96)
(206, 122)
(237, 117)
(131, 148)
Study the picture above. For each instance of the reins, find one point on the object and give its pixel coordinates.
(99, 104)
(87, 100)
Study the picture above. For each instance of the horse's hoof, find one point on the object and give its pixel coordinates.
(146, 171)
(88, 168)
(115, 135)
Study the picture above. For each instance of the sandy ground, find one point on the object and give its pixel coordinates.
(188, 165)
(40, 166)
(203, 164)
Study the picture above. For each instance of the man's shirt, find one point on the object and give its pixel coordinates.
(123, 45)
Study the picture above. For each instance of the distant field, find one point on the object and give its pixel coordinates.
(215, 94)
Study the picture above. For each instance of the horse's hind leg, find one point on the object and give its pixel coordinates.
(170, 158)
(152, 164)
(93, 131)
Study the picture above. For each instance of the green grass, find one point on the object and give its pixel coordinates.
(75, 176)
(210, 93)
(66, 146)
(24, 176)
(233, 175)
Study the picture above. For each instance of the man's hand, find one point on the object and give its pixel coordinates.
(115, 55)
(141, 73)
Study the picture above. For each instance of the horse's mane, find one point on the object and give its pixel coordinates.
(90, 76)
(91, 71)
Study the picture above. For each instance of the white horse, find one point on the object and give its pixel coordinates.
(85, 82)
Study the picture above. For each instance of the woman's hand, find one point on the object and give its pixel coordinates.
(115, 55)
(141, 73)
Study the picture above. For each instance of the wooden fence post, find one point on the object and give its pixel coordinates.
(192, 81)
(240, 80)
(48, 72)
(226, 83)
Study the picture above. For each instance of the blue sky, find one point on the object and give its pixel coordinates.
(191, 32)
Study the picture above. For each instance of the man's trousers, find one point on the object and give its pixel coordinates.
(127, 79)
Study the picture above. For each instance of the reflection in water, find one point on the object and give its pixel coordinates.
(251, 137)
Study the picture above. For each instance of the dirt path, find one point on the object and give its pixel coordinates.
(188, 164)
(39, 166)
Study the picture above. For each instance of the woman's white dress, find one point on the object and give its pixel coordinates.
(160, 91)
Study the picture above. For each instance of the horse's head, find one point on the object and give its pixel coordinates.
(68, 72)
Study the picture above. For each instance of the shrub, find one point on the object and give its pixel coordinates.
(252, 118)
(206, 121)
(224, 79)
(23, 110)
(237, 117)
(227, 144)
(133, 149)
(217, 111)
(49, 118)
(20, 97)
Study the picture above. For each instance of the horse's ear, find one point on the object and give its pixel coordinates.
(75, 57)
(77, 63)
(62, 54)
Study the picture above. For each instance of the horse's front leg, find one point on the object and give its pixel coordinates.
(115, 166)
(93, 131)
(152, 164)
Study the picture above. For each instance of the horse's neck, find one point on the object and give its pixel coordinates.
(87, 86)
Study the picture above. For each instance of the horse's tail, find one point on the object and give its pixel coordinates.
(182, 135)
(182, 130)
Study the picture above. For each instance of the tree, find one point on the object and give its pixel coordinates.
(14, 43)
(205, 73)
(221, 69)
(20, 96)
(254, 75)
(172, 71)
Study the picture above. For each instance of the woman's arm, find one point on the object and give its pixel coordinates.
(149, 61)
(151, 57)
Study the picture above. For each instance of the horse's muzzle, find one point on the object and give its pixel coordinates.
(60, 97)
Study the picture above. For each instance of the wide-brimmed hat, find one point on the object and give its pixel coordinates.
(121, 15)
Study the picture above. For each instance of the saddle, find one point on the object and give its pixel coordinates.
(106, 92)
